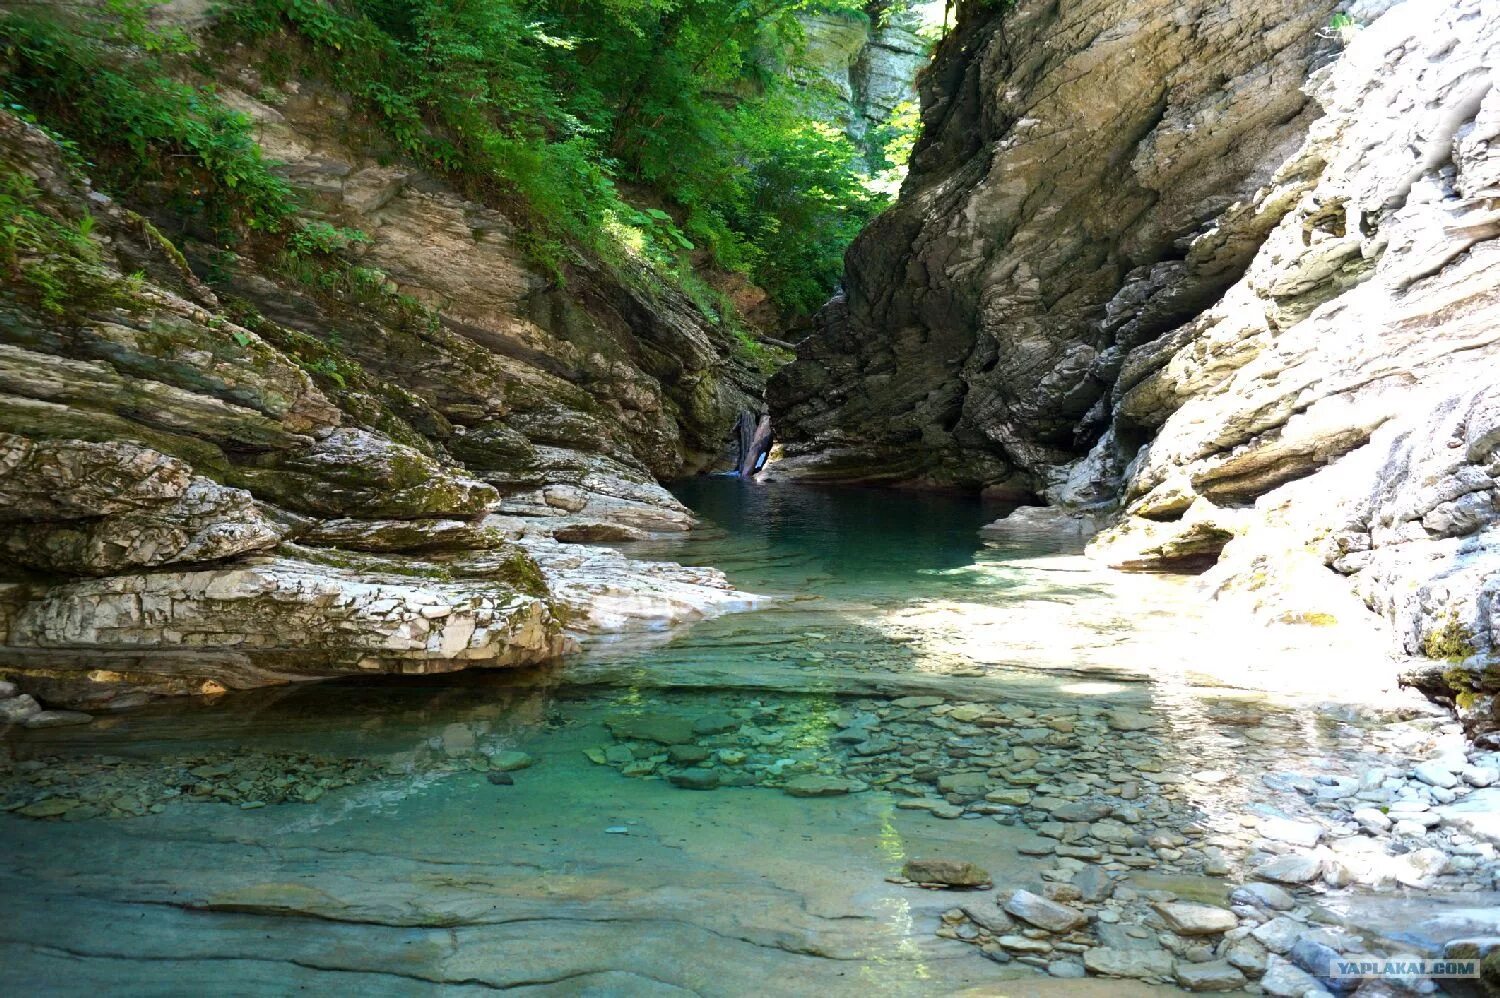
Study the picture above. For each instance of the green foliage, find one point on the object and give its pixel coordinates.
(1340, 21)
(555, 105)
(104, 82)
(317, 238)
(54, 259)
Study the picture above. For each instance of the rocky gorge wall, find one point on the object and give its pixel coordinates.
(863, 70)
(1221, 274)
(204, 490)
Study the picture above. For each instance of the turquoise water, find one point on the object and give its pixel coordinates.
(372, 837)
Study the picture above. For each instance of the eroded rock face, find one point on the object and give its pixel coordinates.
(1084, 182)
(1220, 268)
(1337, 409)
(194, 500)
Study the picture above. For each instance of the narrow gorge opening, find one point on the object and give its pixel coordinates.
(767, 497)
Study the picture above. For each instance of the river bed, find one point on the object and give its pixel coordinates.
(727, 809)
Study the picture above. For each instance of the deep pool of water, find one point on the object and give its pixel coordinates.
(657, 835)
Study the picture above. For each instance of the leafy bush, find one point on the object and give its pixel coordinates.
(55, 260)
(103, 82)
(552, 104)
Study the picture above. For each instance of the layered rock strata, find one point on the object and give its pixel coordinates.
(1080, 186)
(1226, 271)
(204, 490)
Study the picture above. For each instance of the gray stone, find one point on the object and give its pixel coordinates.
(1286, 980)
(1317, 959)
(1067, 969)
(56, 719)
(1420, 867)
(1187, 918)
(1279, 934)
(1263, 895)
(990, 918)
(1248, 955)
(693, 779)
(1372, 820)
(714, 724)
(948, 872)
(505, 762)
(1294, 868)
(1214, 976)
(1435, 774)
(1125, 719)
(1044, 913)
(1094, 883)
(1080, 811)
(664, 729)
(18, 708)
(1298, 833)
(1110, 962)
(813, 785)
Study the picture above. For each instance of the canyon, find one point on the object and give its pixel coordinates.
(1098, 595)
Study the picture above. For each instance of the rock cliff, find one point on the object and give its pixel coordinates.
(1223, 270)
(862, 70)
(281, 479)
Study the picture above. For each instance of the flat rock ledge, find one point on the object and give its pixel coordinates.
(305, 614)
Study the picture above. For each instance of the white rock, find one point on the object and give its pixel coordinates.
(1435, 774)
(1480, 776)
(1287, 980)
(1420, 867)
(1293, 868)
(1297, 833)
(1372, 820)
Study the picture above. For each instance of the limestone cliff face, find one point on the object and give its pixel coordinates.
(213, 489)
(1080, 186)
(864, 67)
(1221, 271)
(1335, 416)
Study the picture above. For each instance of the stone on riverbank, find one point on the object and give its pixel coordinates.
(948, 872)
(1190, 919)
(1044, 913)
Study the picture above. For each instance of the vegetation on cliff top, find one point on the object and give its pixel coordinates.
(644, 128)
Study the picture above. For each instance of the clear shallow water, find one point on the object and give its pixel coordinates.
(352, 836)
